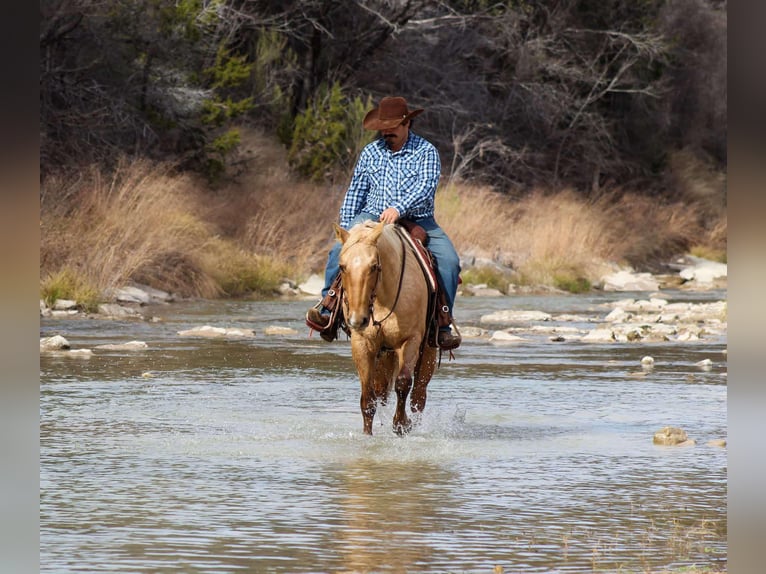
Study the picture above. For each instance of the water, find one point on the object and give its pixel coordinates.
(221, 456)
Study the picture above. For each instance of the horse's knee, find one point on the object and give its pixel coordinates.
(404, 381)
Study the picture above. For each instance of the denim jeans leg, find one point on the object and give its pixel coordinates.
(447, 259)
(332, 267)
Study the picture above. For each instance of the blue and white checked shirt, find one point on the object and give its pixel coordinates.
(406, 180)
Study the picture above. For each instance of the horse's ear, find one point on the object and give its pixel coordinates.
(375, 233)
(340, 233)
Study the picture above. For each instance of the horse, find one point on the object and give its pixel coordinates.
(385, 304)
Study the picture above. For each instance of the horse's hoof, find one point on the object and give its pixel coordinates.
(402, 429)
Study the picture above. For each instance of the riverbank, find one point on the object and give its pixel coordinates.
(653, 310)
(146, 223)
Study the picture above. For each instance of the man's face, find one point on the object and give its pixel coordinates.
(396, 137)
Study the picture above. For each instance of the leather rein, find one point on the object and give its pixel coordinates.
(375, 322)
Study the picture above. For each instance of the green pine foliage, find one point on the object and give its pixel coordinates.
(328, 135)
(229, 73)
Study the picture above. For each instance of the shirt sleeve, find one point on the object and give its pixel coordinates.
(356, 195)
(424, 188)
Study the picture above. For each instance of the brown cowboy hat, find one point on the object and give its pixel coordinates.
(391, 112)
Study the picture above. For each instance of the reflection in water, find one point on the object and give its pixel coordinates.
(249, 455)
(393, 513)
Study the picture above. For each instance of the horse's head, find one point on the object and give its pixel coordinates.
(360, 271)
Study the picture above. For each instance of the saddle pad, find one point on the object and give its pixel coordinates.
(423, 257)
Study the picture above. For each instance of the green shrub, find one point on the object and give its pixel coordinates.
(229, 74)
(217, 152)
(67, 284)
(240, 273)
(328, 135)
(571, 283)
(710, 253)
(489, 276)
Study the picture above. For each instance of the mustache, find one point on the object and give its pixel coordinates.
(389, 136)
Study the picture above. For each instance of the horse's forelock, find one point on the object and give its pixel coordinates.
(360, 234)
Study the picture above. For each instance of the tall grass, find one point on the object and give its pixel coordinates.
(109, 228)
(565, 239)
(143, 222)
(268, 212)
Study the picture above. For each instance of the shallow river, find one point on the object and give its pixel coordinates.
(201, 455)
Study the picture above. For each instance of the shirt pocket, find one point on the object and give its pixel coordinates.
(376, 176)
(408, 176)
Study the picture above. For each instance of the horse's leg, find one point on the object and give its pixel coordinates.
(408, 355)
(384, 375)
(424, 370)
(364, 358)
(402, 423)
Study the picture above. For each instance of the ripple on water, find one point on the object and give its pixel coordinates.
(250, 456)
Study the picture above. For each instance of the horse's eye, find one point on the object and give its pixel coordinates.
(342, 268)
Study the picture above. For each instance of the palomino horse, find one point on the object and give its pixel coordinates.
(385, 304)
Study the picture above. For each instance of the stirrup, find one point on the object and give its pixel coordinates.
(313, 324)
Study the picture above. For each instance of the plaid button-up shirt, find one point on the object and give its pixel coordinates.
(406, 180)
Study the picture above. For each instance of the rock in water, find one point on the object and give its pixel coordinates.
(672, 436)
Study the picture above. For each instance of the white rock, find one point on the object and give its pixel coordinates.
(218, 332)
(114, 310)
(504, 337)
(628, 281)
(64, 305)
(78, 354)
(73, 354)
(686, 335)
(704, 271)
(672, 436)
(313, 285)
(67, 313)
(130, 294)
(647, 360)
(54, 343)
(704, 364)
(617, 315)
(599, 336)
(129, 346)
(510, 316)
(473, 332)
(278, 330)
(155, 294)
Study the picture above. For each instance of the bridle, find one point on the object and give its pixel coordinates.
(379, 268)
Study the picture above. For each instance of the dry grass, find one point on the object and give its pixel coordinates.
(548, 239)
(269, 212)
(145, 223)
(565, 239)
(107, 229)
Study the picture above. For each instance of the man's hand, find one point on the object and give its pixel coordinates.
(390, 215)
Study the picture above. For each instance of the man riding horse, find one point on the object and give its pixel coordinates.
(396, 178)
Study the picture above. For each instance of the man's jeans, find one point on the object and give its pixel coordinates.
(447, 260)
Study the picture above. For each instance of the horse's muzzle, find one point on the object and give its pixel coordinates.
(357, 322)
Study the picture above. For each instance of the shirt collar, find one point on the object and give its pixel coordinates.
(408, 147)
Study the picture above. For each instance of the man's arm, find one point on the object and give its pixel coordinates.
(357, 192)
